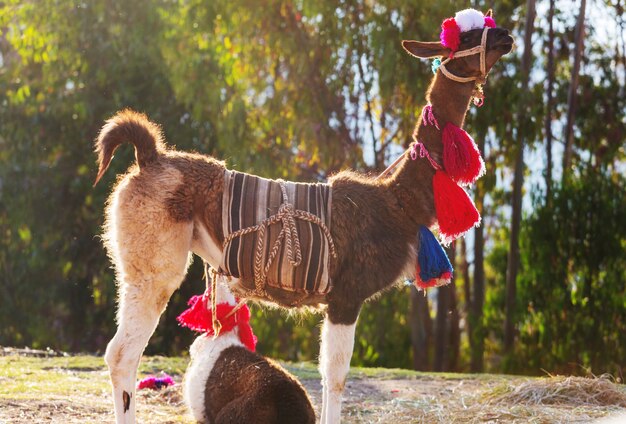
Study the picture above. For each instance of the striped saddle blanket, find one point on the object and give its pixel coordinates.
(276, 234)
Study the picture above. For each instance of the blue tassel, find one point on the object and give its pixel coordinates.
(432, 262)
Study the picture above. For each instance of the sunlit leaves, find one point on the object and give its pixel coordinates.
(275, 88)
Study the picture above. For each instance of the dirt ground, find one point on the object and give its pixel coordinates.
(76, 390)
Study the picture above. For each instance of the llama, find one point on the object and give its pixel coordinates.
(226, 382)
(169, 205)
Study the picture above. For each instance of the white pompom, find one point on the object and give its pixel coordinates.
(469, 19)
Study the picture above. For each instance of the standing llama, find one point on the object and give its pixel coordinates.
(171, 204)
(226, 381)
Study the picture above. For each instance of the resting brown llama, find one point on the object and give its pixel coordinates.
(169, 205)
(227, 383)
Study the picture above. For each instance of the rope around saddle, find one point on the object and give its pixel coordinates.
(286, 215)
(268, 247)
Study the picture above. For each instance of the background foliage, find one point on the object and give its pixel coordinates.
(301, 89)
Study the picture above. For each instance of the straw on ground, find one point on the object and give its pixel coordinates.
(75, 389)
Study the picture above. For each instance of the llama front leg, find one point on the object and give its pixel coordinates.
(335, 354)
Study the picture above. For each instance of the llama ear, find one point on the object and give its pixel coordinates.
(425, 50)
(489, 13)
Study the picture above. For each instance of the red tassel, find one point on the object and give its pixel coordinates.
(455, 211)
(198, 317)
(461, 158)
(246, 335)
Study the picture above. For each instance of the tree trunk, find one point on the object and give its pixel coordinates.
(549, 101)
(477, 347)
(571, 96)
(421, 330)
(619, 11)
(476, 298)
(447, 338)
(441, 329)
(516, 213)
(466, 290)
(455, 331)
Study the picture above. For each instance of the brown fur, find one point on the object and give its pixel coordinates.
(129, 125)
(244, 387)
(159, 212)
(374, 222)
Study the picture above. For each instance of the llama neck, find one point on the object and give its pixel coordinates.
(450, 101)
(412, 183)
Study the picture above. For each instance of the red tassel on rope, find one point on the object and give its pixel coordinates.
(455, 211)
(461, 158)
(198, 316)
(246, 335)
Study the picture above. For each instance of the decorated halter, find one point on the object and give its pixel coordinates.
(450, 36)
(469, 52)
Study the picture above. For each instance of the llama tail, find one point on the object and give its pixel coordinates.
(132, 127)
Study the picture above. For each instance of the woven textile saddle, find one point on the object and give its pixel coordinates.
(276, 234)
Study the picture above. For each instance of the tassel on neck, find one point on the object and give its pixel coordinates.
(433, 268)
(461, 157)
(455, 210)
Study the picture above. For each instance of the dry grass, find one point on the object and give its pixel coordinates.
(551, 400)
(75, 389)
(39, 387)
(458, 398)
(581, 391)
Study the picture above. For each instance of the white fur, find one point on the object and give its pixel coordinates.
(204, 246)
(222, 293)
(335, 354)
(204, 353)
(145, 289)
(469, 19)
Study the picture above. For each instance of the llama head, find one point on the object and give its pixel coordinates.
(460, 41)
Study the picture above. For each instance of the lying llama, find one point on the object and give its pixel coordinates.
(226, 381)
(169, 205)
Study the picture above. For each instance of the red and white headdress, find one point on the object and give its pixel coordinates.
(463, 21)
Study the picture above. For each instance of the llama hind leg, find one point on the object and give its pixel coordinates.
(335, 354)
(124, 352)
(145, 288)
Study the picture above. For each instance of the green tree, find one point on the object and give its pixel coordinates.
(573, 289)
(299, 89)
